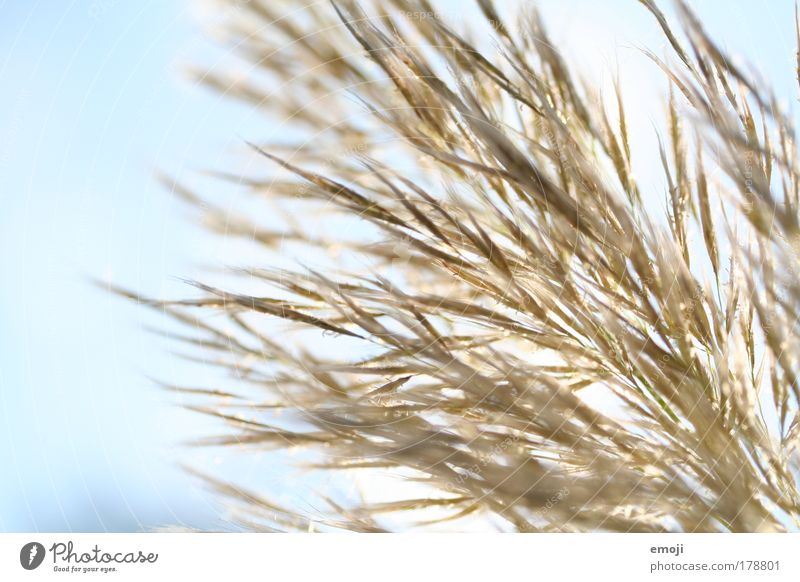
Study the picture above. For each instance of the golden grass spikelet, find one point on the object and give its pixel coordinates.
(510, 268)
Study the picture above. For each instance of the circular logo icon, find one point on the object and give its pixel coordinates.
(31, 555)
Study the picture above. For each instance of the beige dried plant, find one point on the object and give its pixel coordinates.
(479, 258)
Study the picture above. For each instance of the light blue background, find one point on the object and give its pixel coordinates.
(91, 101)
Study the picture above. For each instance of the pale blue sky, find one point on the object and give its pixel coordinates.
(91, 103)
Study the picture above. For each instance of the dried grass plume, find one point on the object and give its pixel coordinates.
(479, 257)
